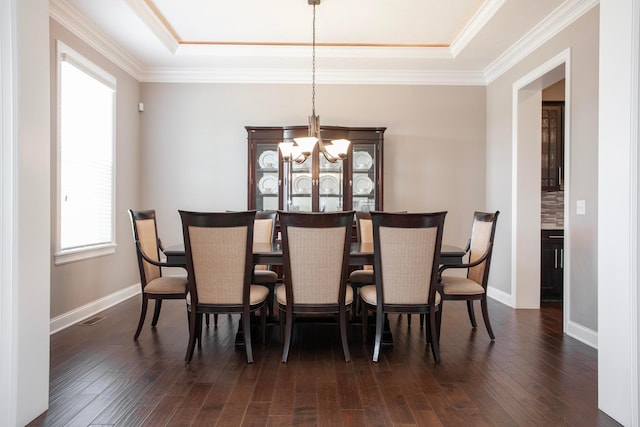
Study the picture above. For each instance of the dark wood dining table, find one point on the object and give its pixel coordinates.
(360, 254)
(271, 254)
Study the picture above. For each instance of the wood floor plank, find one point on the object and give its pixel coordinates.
(531, 375)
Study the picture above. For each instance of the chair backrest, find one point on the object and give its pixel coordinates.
(315, 248)
(218, 252)
(364, 231)
(264, 229)
(406, 256)
(483, 231)
(145, 236)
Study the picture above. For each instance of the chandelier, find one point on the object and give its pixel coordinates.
(302, 148)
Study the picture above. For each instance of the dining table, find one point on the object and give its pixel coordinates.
(271, 254)
(361, 253)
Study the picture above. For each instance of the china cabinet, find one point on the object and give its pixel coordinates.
(315, 184)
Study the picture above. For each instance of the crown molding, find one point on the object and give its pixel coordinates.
(557, 21)
(66, 15)
(295, 76)
(150, 19)
(479, 20)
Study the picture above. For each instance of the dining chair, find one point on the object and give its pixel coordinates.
(153, 284)
(473, 286)
(406, 254)
(218, 253)
(316, 260)
(264, 232)
(362, 276)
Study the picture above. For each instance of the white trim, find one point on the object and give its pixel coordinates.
(73, 255)
(475, 25)
(583, 334)
(561, 59)
(500, 296)
(65, 14)
(8, 280)
(325, 76)
(76, 315)
(634, 301)
(562, 17)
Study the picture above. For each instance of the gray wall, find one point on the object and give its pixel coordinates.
(433, 150)
(582, 38)
(76, 284)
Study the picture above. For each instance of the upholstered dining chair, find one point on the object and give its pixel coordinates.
(218, 253)
(153, 284)
(264, 227)
(362, 276)
(264, 232)
(473, 286)
(406, 256)
(316, 261)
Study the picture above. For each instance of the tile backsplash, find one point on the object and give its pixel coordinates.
(552, 210)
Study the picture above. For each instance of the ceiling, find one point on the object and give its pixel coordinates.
(358, 41)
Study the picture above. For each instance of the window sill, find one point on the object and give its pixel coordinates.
(65, 257)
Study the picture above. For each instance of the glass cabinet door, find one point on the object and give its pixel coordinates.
(267, 177)
(299, 186)
(364, 177)
(330, 185)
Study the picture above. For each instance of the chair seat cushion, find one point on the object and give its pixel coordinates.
(265, 277)
(455, 285)
(167, 285)
(281, 295)
(257, 294)
(370, 296)
(361, 277)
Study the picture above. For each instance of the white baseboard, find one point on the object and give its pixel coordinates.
(501, 296)
(74, 316)
(583, 334)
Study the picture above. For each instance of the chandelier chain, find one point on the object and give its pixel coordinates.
(313, 65)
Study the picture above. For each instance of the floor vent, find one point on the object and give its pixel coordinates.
(91, 321)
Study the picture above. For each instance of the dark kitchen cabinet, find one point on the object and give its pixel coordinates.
(552, 145)
(552, 265)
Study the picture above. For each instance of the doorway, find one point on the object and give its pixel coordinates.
(527, 178)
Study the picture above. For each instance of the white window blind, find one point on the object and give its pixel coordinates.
(86, 112)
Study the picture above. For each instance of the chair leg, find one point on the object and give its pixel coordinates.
(193, 333)
(431, 323)
(343, 333)
(215, 320)
(156, 312)
(378, 340)
(199, 329)
(143, 314)
(263, 324)
(421, 320)
(246, 330)
(439, 320)
(485, 316)
(206, 319)
(288, 326)
(472, 315)
(364, 311)
(408, 319)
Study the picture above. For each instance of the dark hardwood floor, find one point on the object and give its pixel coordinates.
(532, 375)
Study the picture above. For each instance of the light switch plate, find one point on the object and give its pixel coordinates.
(581, 208)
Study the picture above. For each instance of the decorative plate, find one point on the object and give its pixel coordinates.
(268, 184)
(329, 184)
(302, 184)
(268, 159)
(362, 160)
(362, 184)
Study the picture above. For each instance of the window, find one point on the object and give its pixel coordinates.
(85, 166)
